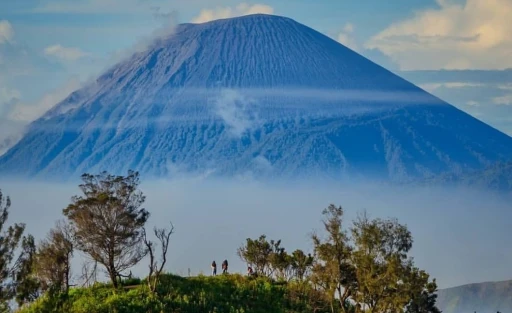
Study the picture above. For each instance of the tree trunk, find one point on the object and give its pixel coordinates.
(113, 277)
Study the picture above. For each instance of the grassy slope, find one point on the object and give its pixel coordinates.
(224, 293)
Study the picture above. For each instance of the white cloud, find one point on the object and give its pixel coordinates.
(475, 34)
(348, 28)
(6, 31)
(345, 37)
(65, 53)
(207, 15)
(10, 133)
(451, 85)
(7, 94)
(27, 112)
(505, 86)
(236, 110)
(504, 100)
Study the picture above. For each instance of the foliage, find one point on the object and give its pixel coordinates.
(223, 293)
(387, 279)
(425, 301)
(15, 268)
(270, 259)
(333, 270)
(53, 259)
(301, 264)
(26, 284)
(256, 253)
(108, 220)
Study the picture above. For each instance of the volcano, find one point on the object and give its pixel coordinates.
(259, 96)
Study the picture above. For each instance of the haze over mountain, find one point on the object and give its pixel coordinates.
(258, 96)
(480, 297)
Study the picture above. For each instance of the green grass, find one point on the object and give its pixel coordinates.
(222, 294)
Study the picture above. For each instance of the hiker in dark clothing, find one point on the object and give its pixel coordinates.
(214, 268)
(225, 267)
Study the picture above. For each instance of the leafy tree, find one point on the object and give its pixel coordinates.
(256, 253)
(14, 267)
(301, 264)
(279, 260)
(425, 301)
(333, 270)
(27, 284)
(107, 221)
(387, 278)
(163, 235)
(53, 265)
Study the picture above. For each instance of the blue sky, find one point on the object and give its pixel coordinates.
(48, 48)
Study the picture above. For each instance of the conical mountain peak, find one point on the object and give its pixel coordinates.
(259, 94)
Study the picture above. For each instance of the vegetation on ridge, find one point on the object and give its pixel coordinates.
(362, 268)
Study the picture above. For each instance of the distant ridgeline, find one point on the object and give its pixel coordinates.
(478, 297)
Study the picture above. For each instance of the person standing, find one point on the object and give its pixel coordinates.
(214, 268)
(225, 267)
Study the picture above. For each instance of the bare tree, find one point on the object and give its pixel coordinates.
(163, 235)
(89, 273)
(108, 221)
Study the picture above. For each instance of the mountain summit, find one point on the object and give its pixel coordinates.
(256, 95)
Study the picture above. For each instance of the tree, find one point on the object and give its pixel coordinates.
(15, 268)
(301, 264)
(53, 265)
(27, 284)
(256, 253)
(89, 273)
(163, 235)
(387, 277)
(333, 270)
(107, 221)
(279, 260)
(425, 301)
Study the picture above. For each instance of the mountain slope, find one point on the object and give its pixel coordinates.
(480, 298)
(257, 95)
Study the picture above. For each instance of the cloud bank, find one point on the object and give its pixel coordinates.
(213, 218)
(456, 35)
(29, 111)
